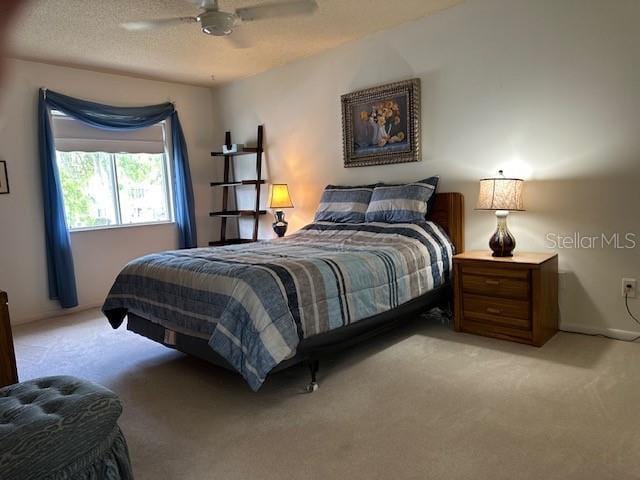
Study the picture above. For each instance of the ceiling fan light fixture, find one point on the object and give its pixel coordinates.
(222, 24)
(217, 23)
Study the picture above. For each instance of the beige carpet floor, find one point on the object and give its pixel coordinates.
(420, 403)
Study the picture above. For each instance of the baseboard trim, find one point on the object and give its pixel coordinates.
(55, 314)
(609, 332)
(568, 327)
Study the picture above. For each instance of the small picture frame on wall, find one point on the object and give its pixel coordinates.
(4, 178)
(381, 125)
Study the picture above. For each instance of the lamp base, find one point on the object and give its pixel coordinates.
(280, 225)
(502, 243)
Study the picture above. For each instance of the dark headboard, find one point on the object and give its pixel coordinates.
(448, 212)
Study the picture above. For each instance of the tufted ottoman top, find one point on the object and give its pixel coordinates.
(48, 423)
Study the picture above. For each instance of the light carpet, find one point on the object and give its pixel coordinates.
(421, 402)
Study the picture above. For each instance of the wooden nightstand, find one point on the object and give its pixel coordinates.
(514, 298)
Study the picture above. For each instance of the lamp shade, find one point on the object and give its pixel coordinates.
(280, 197)
(500, 193)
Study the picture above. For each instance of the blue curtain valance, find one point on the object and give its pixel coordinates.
(61, 276)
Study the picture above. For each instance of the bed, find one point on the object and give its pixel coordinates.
(259, 308)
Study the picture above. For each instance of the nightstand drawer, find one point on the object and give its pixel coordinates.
(519, 274)
(496, 310)
(499, 331)
(495, 286)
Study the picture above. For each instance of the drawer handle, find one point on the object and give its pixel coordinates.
(494, 310)
(492, 282)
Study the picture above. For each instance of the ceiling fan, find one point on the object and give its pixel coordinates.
(215, 22)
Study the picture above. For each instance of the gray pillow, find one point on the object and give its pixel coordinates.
(407, 203)
(344, 204)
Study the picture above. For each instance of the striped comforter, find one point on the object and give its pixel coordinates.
(255, 302)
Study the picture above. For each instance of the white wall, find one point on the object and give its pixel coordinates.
(98, 255)
(547, 89)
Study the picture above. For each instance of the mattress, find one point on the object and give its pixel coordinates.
(255, 302)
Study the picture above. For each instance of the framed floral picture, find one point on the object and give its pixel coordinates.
(4, 178)
(381, 125)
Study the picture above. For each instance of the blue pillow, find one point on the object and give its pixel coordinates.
(344, 204)
(407, 203)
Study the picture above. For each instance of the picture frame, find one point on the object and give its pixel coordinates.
(4, 178)
(381, 125)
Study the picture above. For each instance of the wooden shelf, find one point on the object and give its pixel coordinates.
(238, 183)
(228, 181)
(230, 241)
(246, 151)
(237, 213)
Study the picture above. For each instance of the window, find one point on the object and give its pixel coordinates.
(112, 178)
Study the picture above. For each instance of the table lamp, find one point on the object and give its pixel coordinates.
(280, 199)
(502, 195)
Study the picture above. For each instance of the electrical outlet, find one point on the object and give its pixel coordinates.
(629, 287)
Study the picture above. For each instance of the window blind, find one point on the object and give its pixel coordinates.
(73, 136)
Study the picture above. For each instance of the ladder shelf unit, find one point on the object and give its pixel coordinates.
(227, 184)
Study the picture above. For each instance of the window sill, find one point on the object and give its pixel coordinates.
(118, 227)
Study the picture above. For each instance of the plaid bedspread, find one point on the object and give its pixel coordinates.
(255, 302)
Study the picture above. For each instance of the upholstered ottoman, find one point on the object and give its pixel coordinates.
(61, 428)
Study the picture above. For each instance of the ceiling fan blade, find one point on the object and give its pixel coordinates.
(144, 25)
(239, 39)
(205, 4)
(277, 9)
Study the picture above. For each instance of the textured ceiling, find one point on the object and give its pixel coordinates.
(86, 33)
